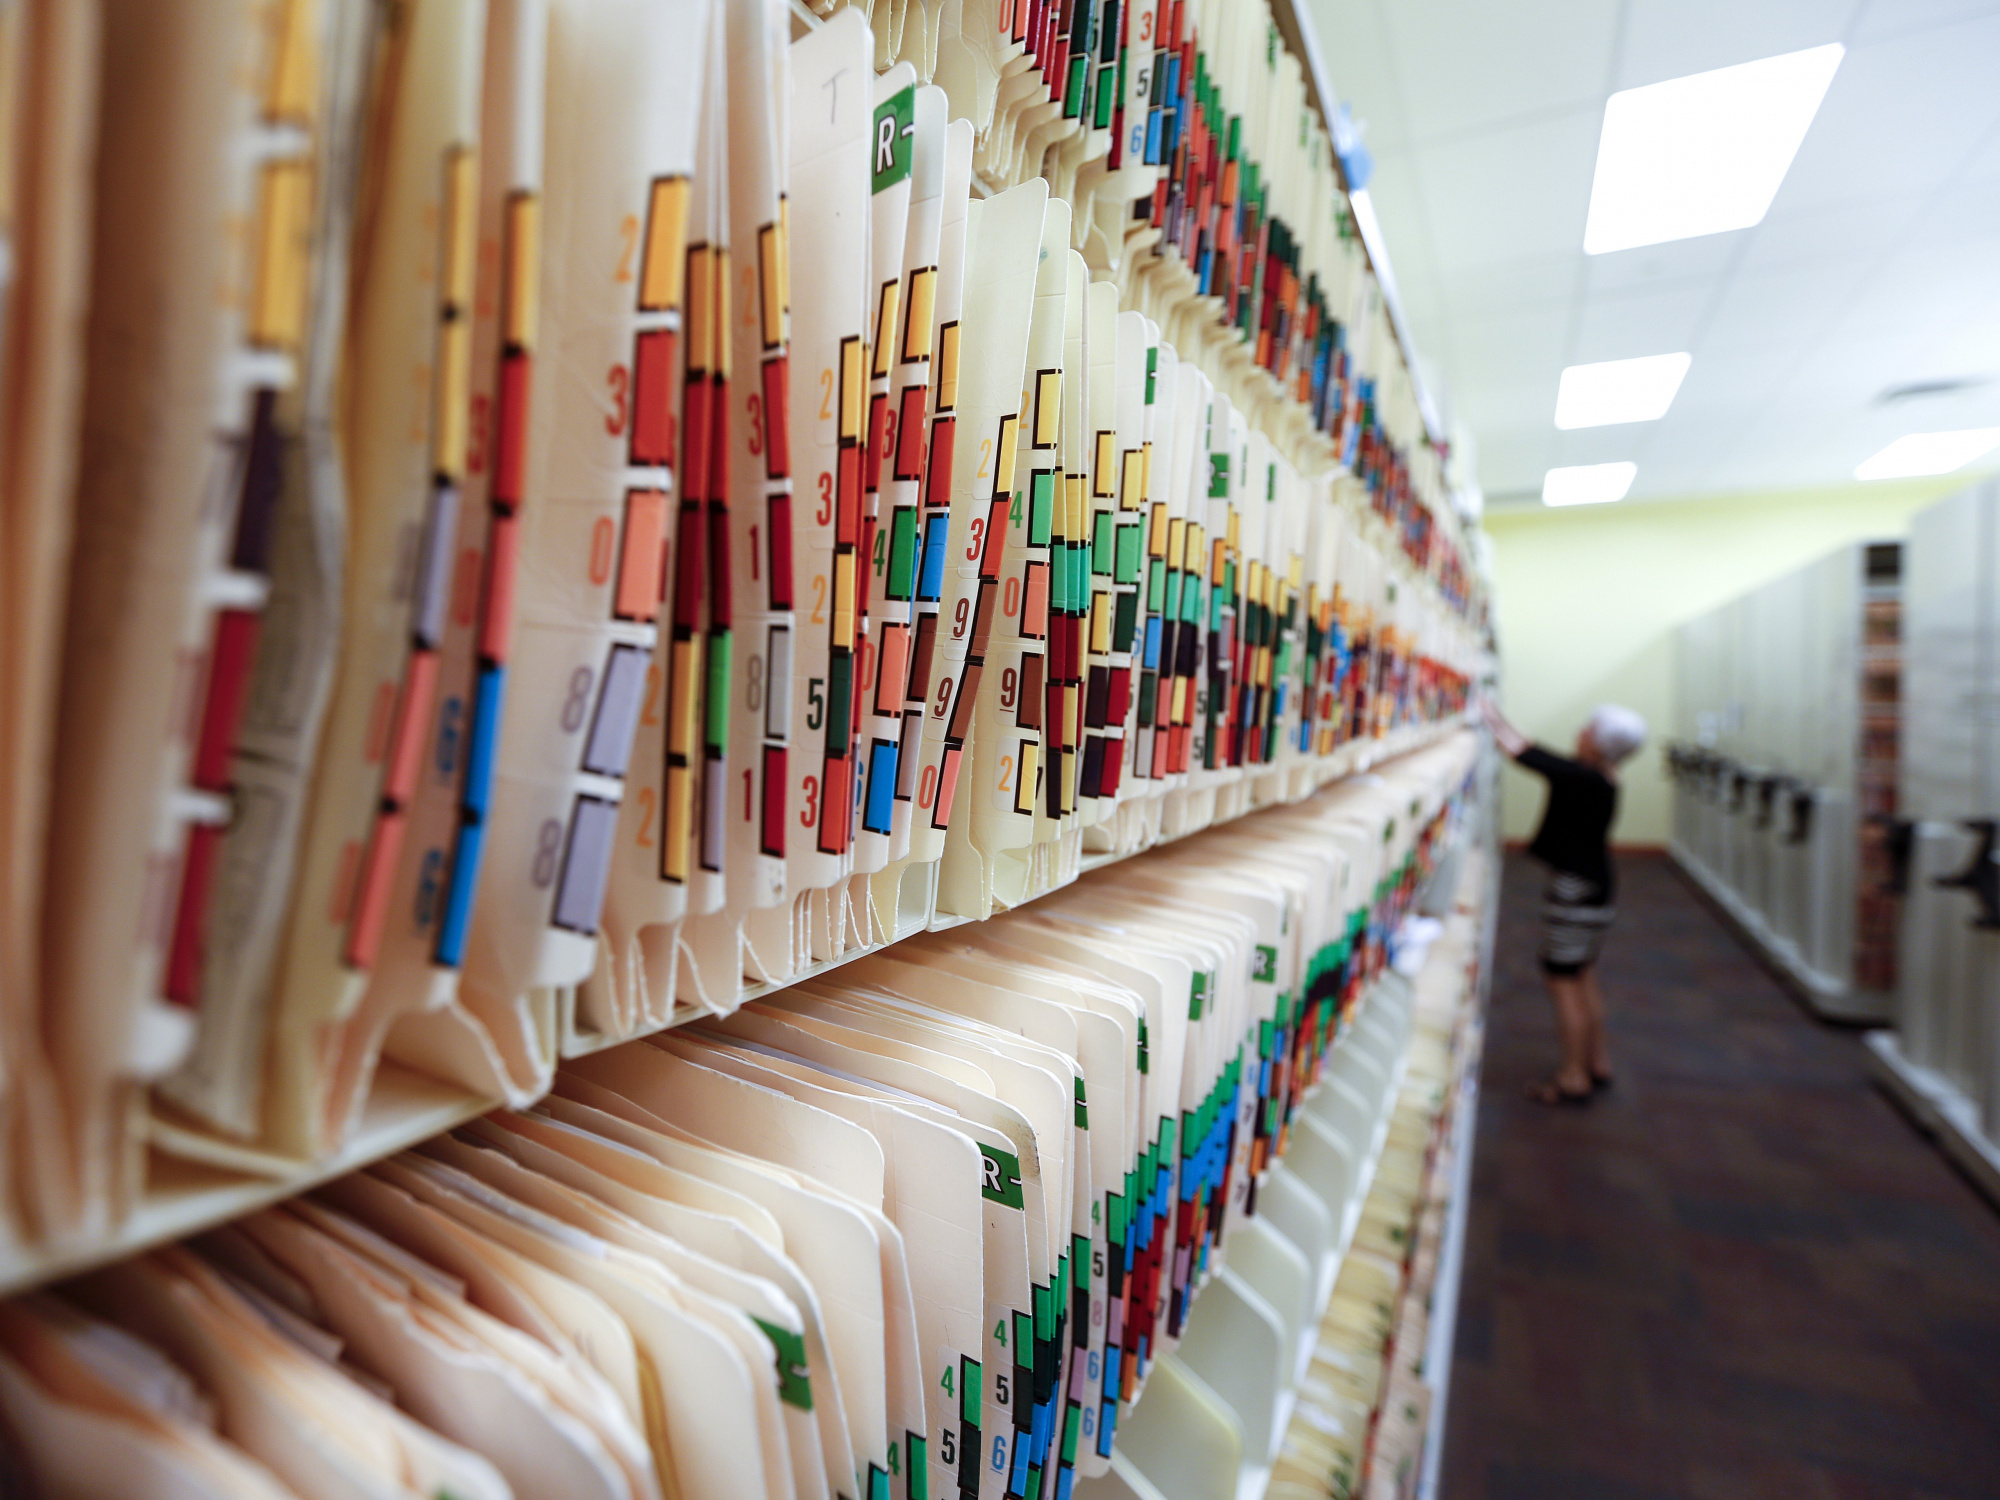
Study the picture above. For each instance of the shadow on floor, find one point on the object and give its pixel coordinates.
(1740, 1273)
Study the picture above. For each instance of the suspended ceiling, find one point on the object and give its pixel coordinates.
(1876, 270)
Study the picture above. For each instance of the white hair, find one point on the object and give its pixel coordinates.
(1617, 731)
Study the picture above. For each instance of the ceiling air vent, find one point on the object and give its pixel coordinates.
(1917, 390)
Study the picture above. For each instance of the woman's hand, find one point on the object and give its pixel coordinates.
(1510, 739)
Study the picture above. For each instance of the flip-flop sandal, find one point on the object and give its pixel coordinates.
(1548, 1091)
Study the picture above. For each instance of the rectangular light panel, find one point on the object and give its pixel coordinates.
(1619, 390)
(1702, 154)
(1588, 484)
(1919, 453)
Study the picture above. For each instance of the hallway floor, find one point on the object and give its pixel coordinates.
(1740, 1273)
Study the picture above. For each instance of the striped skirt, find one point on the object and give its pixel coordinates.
(1576, 918)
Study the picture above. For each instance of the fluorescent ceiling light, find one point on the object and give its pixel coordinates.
(1704, 153)
(1620, 390)
(1929, 453)
(1588, 484)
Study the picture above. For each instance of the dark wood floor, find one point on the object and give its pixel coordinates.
(1739, 1274)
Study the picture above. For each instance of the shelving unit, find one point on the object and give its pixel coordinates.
(1154, 1473)
(1941, 1060)
(1784, 766)
(1243, 1361)
(184, 1197)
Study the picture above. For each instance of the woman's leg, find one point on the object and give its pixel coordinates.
(1572, 1076)
(1597, 1056)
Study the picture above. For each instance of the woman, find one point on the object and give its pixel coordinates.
(1574, 842)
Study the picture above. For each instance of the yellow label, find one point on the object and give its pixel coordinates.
(461, 227)
(1009, 443)
(454, 392)
(886, 307)
(1100, 622)
(681, 698)
(284, 224)
(947, 368)
(1048, 407)
(677, 815)
(294, 62)
(771, 283)
(699, 313)
(1104, 468)
(917, 321)
(521, 308)
(660, 267)
(843, 599)
(850, 388)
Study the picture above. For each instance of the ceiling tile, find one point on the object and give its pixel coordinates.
(1983, 165)
(1922, 289)
(1497, 350)
(1671, 38)
(1510, 193)
(1542, 283)
(1968, 343)
(1685, 472)
(1786, 310)
(1697, 259)
(1466, 68)
(1625, 443)
(1861, 229)
(1873, 268)
(1724, 381)
(1665, 320)
(1885, 18)
(1902, 113)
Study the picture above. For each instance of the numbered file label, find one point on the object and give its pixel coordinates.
(623, 99)
(831, 119)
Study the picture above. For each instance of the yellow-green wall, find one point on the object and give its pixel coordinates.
(1589, 598)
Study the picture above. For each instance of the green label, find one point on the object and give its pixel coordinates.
(794, 1375)
(1041, 507)
(903, 553)
(1082, 1109)
(1002, 1180)
(717, 717)
(1197, 991)
(968, 1391)
(895, 138)
(1266, 970)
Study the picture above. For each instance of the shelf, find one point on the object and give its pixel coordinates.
(1126, 1479)
(1443, 1330)
(1256, 1478)
(183, 1197)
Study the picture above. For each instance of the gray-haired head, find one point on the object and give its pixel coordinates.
(1616, 731)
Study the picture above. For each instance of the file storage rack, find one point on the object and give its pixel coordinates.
(1941, 1059)
(1784, 766)
(406, 1107)
(1388, 1136)
(1215, 1417)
